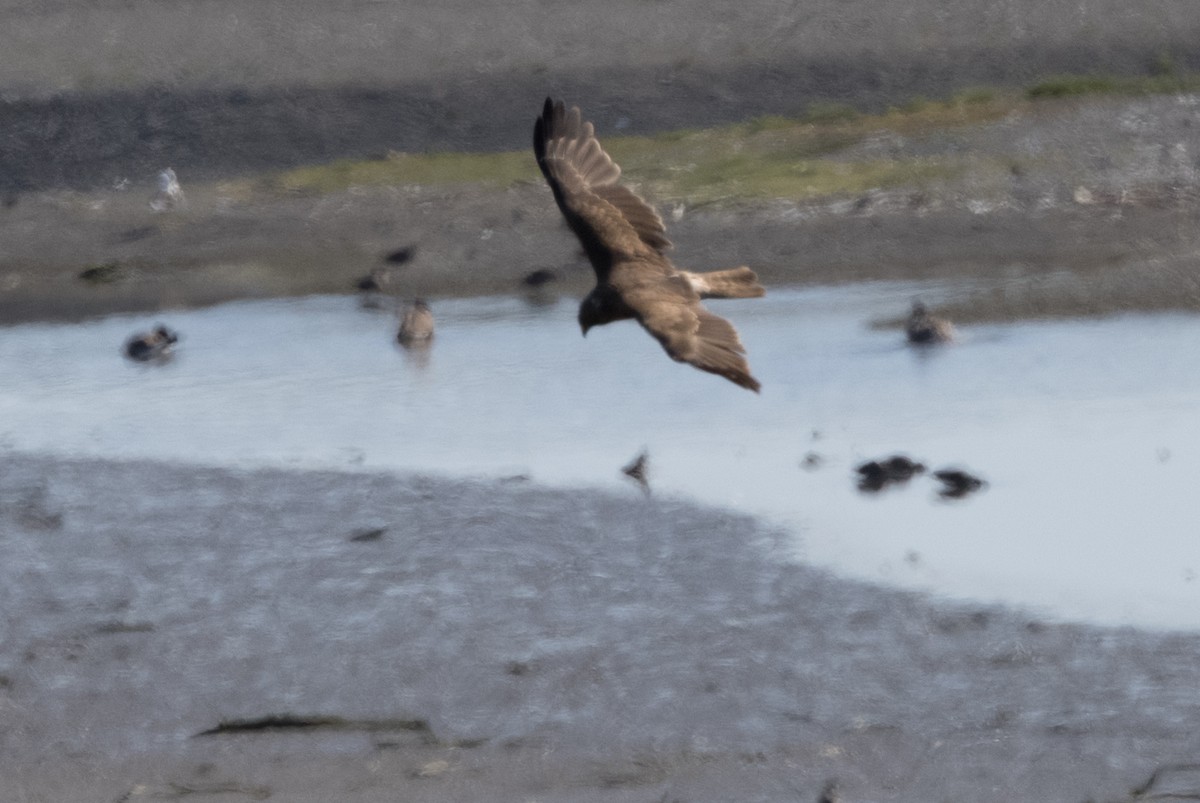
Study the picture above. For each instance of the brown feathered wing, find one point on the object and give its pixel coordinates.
(610, 220)
(625, 240)
(671, 311)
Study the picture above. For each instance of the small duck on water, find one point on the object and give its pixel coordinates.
(416, 327)
(925, 329)
(957, 483)
(152, 345)
(875, 475)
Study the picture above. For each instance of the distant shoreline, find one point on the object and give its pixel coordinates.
(84, 140)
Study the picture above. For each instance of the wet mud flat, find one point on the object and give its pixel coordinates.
(374, 636)
(1069, 260)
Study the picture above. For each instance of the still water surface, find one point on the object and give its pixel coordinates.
(1085, 431)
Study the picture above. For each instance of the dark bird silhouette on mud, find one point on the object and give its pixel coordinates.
(400, 256)
(373, 288)
(540, 277)
(625, 240)
(378, 280)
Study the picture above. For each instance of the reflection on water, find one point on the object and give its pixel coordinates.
(1083, 430)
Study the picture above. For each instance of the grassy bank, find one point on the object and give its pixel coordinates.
(769, 157)
(1164, 79)
(764, 158)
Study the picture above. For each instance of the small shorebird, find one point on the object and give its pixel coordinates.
(925, 329)
(540, 278)
(638, 470)
(378, 280)
(416, 327)
(625, 240)
(153, 345)
(400, 256)
(170, 193)
(372, 288)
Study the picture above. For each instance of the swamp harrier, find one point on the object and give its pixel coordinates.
(625, 240)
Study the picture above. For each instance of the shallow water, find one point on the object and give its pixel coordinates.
(1084, 430)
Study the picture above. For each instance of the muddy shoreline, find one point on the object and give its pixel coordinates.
(1072, 260)
(570, 645)
(1077, 207)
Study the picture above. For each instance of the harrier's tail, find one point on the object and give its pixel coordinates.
(733, 283)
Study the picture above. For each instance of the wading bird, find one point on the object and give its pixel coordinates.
(925, 329)
(416, 327)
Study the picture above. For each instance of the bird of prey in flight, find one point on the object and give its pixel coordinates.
(625, 240)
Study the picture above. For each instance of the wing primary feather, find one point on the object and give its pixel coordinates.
(584, 180)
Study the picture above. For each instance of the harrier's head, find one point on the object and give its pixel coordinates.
(601, 306)
(589, 314)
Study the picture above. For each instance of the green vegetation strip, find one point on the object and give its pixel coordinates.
(1161, 83)
(769, 157)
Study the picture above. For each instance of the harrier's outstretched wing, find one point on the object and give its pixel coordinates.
(670, 310)
(610, 220)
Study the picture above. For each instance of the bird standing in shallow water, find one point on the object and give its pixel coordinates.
(417, 325)
(373, 287)
(625, 241)
(925, 329)
(378, 280)
(957, 483)
(875, 475)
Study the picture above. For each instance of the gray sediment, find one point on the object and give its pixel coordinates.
(639, 642)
